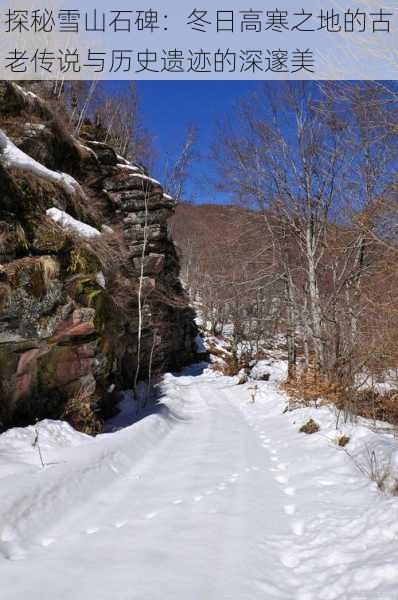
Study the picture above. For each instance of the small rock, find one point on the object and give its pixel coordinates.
(264, 377)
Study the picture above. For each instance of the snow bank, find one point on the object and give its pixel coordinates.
(276, 369)
(260, 370)
(13, 158)
(19, 454)
(53, 434)
(68, 222)
(34, 500)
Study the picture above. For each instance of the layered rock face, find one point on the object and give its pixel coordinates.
(72, 305)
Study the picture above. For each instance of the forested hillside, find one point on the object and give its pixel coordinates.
(308, 249)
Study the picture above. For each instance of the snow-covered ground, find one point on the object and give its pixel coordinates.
(208, 498)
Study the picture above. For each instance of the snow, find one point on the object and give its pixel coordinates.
(385, 383)
(35, 126)
(68, 222)
(25, 93)
(100, 279)
(13, 157)
(260, 370)
(208, 497)
(16, 445)
(145, 177)
(128, 167)
(168, 197)
(277, 371)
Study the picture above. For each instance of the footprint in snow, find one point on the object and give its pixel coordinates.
(290, 509)
(290, 560)
(120, 524)
(298, 527)
(7, 535)
(177, 501)
(151, 515)
(47, 542)
(11, 551)
(282, 467)
(92, 530)
(290, 491)
(282, 479)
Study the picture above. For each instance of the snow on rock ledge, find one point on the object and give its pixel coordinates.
(13, 158)
(68, 222)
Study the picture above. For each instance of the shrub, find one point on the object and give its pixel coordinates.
(343, 440)
(80, 414)
(310, 427)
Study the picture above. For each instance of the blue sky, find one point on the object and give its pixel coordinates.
(169, 107)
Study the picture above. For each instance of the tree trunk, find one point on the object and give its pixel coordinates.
(316, 315)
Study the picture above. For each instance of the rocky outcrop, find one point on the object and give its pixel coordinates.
(69, 304)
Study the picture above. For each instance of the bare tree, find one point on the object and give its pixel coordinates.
(313, 162)
(178, 173)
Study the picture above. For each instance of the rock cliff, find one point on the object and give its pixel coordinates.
(86, 263)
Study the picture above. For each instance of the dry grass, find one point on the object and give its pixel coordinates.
(370, 466)
(377, 406)
(33, 272)
(343, 441)
(308, 389)
(15, 125)
(216, 351)
(79, 412)
(310, 427)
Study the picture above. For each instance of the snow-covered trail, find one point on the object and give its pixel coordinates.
(211, 499)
